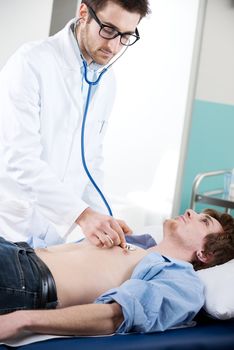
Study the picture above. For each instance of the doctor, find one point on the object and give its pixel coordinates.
(44, 190)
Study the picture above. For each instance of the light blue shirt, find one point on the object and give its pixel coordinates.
(161, 293)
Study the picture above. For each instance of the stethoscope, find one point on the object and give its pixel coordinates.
(87, 103)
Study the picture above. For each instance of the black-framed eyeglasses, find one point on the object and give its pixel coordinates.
(108, 32)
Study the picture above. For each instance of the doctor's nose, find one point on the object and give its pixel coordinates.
(115, 45)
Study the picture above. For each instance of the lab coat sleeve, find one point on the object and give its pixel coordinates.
(22, 149)
(156, 304)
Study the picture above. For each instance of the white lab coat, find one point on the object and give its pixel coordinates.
(43, 187)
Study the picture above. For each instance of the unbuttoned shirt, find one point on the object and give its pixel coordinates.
(161, 293)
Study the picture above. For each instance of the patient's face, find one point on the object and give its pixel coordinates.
(191, 228)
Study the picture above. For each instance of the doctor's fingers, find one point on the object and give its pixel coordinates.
(117, 234)
(102, 240)
(126, 229)
(95, 240)
(106, 241)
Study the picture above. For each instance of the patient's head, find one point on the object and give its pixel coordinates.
(204, 239)
(218, 247)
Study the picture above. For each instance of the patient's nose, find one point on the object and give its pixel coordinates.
(190, 213)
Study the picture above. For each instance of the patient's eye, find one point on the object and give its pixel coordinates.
(205, 220)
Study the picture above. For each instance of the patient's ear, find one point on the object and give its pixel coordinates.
(204, 257)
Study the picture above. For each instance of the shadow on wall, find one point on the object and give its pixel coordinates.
(62, 12)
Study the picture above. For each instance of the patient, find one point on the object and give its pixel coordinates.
(101, 291)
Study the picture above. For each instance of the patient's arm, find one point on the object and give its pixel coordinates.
(90, 319)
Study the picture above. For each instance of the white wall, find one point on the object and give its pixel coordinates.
(22, 21)
(148, 117)
(216, 73)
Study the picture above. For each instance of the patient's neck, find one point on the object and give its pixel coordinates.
(169, 249)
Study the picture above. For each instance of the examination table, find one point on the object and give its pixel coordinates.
(207, 334)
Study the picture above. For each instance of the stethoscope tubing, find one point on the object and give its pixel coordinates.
(91, 84)
(95, 82)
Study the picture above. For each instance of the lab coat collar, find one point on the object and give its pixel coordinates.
(70, 49)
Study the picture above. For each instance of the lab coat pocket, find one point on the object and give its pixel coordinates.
(102, 127)
(95, 132)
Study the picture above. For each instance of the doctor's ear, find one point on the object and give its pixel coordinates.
(204, 257)
(83, 13)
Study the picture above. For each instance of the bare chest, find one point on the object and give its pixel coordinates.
(82, 272)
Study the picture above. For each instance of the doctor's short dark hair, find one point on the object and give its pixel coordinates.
(219, 247)
(138, 6)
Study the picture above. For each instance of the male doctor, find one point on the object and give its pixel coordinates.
(44, 190)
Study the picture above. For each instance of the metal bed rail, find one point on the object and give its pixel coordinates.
(210, 197)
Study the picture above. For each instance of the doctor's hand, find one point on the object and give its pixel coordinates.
(103, 230)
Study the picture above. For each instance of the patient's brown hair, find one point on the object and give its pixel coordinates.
(219, 246)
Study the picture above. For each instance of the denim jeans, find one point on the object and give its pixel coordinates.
(20, 279)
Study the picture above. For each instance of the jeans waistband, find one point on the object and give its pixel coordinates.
(48, 287)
